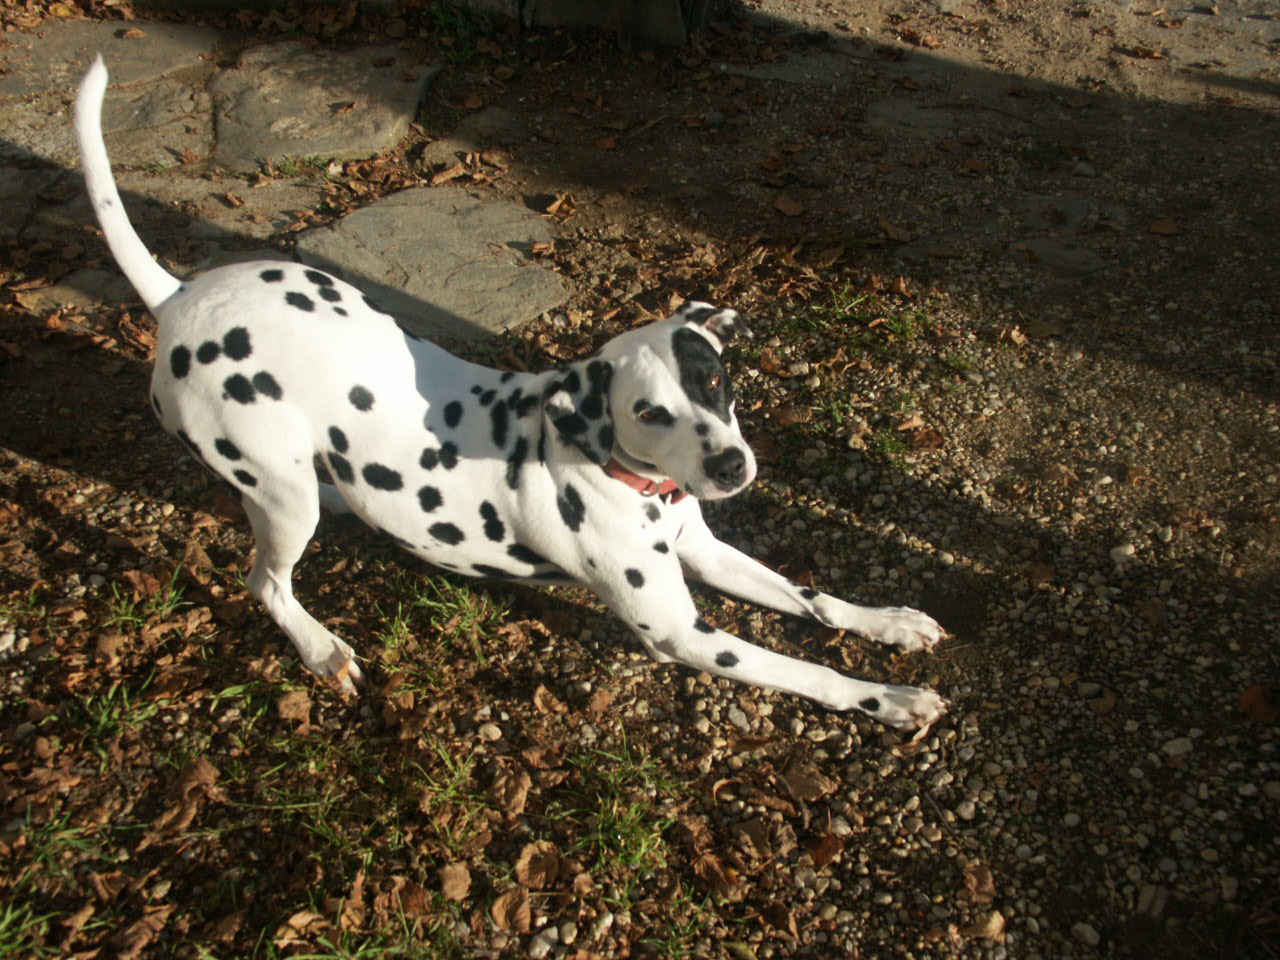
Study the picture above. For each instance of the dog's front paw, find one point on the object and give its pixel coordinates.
(340, 664)
(905, 708)
(905, 629)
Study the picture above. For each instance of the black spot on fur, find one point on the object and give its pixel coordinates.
(361, 398)
(476, 390)
(808, 593)
(330, 294)
(341, 468)
(446, 533)
(448, 455)
(487, 571)
(501, 421)
(726, 659)
(267, 386)
(523, 406)
(642, 626)
(300, 300)
(518, 551)
(571, 507)
(652, 512)
(871, 704)
(342, 313)
(318, 278)
(570, 425)
(572, 383)
(429, 498)
(661, 547)
(605, 437)
(272, 276)
(486, 398)
(429, 459)
(702, 374)
(494, 528)
(180, 362)
(702, 626)
(380, 477)
(452, 413)
(239, 389)
(227, 448)
(506, 376)
(635, 577)
(702, 429)
(235, 343)
(338, 439)
(246, 478)
(208, 352)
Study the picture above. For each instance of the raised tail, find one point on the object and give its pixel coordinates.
(153, 283)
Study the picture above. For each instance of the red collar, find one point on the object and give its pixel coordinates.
(646, 488)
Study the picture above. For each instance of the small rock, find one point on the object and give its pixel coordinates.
(1123, 553)
(1088, 689)
(490, 732)
(739, 719)
(1179, 747)
(1086, 934)
(541, 944)
(966, 810)
(1071, 820)
(1272, 789)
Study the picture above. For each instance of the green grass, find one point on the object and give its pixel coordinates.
(296, 166)
(457, 617)
(103, 717)
(123, 611)
(619, 824)
(888, 443)
(23, 932)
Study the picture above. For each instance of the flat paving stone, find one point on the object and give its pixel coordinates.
(448, 264)
(285, 100)
(53, 58)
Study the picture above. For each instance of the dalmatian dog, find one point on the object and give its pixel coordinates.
(589, 474)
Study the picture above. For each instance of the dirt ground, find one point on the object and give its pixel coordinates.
(1012, 271)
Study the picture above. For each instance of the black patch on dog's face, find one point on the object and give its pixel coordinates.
(634, 577)
(208, 352)
(702, 376)
(338, 439)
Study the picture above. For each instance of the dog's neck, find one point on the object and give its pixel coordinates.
(642, 477)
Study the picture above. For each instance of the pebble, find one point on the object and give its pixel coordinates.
(1071, 820)
(966, 809)
(489, 731)
(1178, 747)
(1086, 934)
(543, 942)
(1123, 553)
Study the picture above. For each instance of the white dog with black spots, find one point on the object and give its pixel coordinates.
(588, 474)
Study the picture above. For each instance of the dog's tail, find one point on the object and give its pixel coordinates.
(153, 283)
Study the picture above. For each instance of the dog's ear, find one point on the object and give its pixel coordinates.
(577, 407)
(723, 324)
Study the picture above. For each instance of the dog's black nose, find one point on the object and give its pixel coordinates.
(727, 468)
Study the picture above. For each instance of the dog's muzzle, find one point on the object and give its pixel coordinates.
(726, 469)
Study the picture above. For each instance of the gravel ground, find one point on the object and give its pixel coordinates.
(1071, 463)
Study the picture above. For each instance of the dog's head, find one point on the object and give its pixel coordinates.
(668, 403)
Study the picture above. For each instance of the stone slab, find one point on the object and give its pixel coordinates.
(449, 264)
(53, 58)
(144, 126)
(285, 100)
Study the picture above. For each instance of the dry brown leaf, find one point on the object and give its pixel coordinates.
(807, 783)
(788, 206)
(547, 702)
(781, 919)
(450, 173)
(979, 883)
(896, 234)
(1037, 572)
(607, 143)
(1257, 705)
(538, 865)
(134, 33)
(987, 927)
(825, 849)
(790, 416)
(292, 932)
(600, 702)
(1165, 227)
(295, 705)
(510, 792)
(511, 912)
(455, 881)
(712, 871)
(1154, 611)
(138, 936)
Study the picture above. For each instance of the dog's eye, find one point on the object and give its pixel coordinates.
(714, 382)
(649, 413)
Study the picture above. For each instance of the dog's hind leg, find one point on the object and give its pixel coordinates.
(284, 511)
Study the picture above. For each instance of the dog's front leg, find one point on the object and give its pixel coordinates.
(719, 565)
(656, 604)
